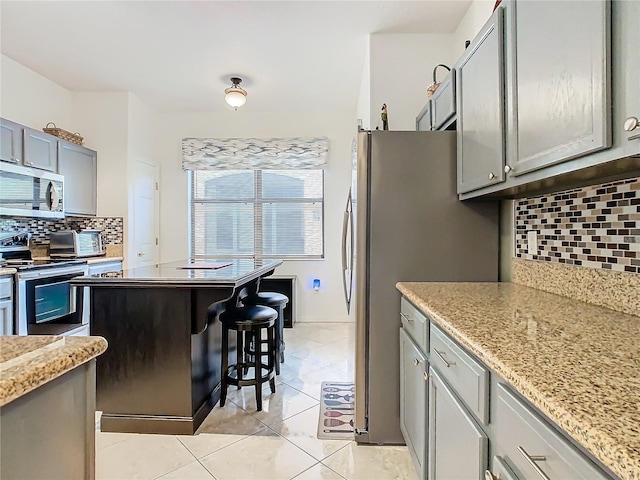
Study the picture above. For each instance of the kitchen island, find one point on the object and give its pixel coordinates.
(161, 373)
(47, 406)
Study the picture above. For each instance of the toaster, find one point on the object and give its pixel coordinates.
(72, 244)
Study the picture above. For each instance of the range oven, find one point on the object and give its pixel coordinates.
(47, 303)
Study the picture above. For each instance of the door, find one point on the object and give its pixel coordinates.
(40, 150)
(413, 400)
(146, 214)
(480, 105)
(458, 448)
(559, 82)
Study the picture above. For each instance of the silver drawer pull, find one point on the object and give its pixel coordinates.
(489, 476)
(448, 364)
(426, 376)
(406, 317)
(532, 459)
(416, 362)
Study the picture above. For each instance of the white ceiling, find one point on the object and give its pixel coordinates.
(179, 55)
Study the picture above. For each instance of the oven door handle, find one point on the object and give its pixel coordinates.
(52, 273)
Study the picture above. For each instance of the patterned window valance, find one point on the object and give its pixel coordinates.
(255, 153)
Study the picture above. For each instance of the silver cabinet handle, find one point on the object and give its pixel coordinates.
(492, 176)
(507, 169)
(631, 123)
(426, 376)
(28, 163)
(416, 362)
(440, 354)
(406, 317)
(532, 459)
(140, 254)
(489, 476)
(14, 159)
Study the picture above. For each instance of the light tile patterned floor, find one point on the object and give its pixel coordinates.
(279, 443)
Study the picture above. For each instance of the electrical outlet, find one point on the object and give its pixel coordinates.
(532, 242)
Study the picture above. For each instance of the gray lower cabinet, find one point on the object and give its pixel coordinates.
(500, 470)
(40, 150)
(79, 165)
(481, 108)
(10, 141)
(558, 82)
(6, 306)
(532, 447)
(413, 400)
(458, 448)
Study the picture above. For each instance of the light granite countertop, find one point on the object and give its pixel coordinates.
(27, 362)
(92, 260)
(7, 271)
(578, 363)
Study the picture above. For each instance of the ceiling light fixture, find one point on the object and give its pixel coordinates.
(234, 95)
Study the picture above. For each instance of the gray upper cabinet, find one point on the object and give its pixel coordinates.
(480, 108)
(413, 400)
(423, 120)
(458, 448)
(79, 166)
(558, 81)
(10, 141)
(626, 18)
(40, 150)
(444, 102)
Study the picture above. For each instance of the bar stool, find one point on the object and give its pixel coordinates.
(248, 321)
(277, 301)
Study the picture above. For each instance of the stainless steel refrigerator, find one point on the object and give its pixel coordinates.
(404, 222)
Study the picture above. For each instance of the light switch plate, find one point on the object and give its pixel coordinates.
(532, 242)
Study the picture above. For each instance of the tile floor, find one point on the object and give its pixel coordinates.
(279, 443)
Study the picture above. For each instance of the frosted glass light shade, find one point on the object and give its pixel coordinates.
(235, 97)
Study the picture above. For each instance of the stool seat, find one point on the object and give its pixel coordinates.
(249, 322)
(277, 301)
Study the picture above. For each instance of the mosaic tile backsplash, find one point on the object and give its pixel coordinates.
(596, 226)
(111, 228)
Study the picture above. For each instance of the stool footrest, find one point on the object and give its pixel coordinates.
(247, 382)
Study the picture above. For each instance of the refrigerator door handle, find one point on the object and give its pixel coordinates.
(345, 225)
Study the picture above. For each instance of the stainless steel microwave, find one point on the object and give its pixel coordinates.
(29, 192)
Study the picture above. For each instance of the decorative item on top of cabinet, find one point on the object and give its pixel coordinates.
(385, 117)
(480, 108)
(431, 89)
(79, 166)
(63, 134)
(558, 82)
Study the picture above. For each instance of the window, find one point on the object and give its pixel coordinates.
(257, 213)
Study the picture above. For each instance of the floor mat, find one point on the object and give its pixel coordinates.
(336, 411)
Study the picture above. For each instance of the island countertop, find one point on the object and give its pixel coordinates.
(231, 272)
(27, 362)
(578, 363)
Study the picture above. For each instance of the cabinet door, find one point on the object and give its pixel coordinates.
(10, 141)
(626, 21)
(423, 120)
(40, 150)
(413, 400)
(444, 102)
(79, 166)
(480, 102)
(558, 81)
(458, 448)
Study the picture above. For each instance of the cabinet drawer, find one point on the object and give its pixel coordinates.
(6, 287)
(523, 434)
(415, 323)
(466, 375)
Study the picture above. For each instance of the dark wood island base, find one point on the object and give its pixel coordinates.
(161, 373)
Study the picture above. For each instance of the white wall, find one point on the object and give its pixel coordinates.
(364, 97)
(339, 127)
(401, 71)
(29, 98)
(477, 14)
